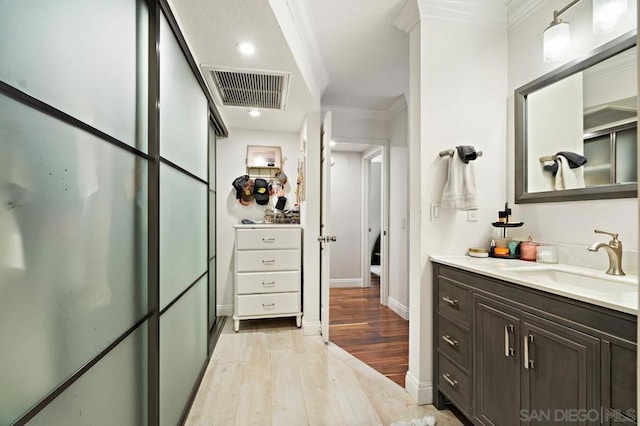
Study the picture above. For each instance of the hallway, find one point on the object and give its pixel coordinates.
(373, 333)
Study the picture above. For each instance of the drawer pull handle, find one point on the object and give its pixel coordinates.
(268, 262)
(268, 306)
(269, 240)
(268, 284)
(450, 301)
(452, 382)
(453, 343)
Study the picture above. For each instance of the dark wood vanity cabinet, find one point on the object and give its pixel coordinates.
(509, 355)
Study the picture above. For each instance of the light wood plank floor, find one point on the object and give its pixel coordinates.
(269, 373)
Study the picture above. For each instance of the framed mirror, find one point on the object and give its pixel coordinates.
(576, 128)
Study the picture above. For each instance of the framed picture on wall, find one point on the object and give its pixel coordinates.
(264, 157)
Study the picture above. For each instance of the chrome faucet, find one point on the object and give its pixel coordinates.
(614, 251)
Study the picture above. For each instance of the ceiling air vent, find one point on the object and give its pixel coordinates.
(251, 88)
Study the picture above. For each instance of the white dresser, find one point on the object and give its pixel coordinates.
(267, 274)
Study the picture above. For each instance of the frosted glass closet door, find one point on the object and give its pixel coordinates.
(183, 350)
(113, 392)
(183, 232)
(183, 108)
(85, 58)
(73, 251)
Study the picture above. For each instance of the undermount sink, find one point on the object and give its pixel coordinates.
(585, 282)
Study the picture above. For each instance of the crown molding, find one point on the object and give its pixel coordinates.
(398, 106)
(487, 12)
(519, 10)
(362, 113)
(408, 16)
(368, 114)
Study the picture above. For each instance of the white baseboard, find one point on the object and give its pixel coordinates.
(420, 392)
(345, 282)
(398, 308)
(224, 310)
(311, 328)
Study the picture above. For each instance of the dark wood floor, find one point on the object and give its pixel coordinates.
(369, 331)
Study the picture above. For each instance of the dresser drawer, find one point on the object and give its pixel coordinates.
(268, 260)
(454, 301)
(261, 239)
(454, 341)
(268, 304)
(455, 382)
(267, 282)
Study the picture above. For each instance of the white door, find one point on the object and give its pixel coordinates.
(325, 237)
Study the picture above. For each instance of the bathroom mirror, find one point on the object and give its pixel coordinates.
(587, 107)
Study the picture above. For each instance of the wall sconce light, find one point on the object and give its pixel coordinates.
(557, 36)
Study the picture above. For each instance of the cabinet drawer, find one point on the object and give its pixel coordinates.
(454, 341)
(268, 260)
(260, 239)
(267, 282)
(268, 304)
(455, 382)
(454, 301)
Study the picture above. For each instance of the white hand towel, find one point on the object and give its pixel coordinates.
(460, 190)
(568, 178)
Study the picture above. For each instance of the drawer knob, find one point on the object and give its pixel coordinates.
(268, 262)
(269, 240)
(268, 306)
(450, 301)
(452, 382)
(453, 343)
(268, 284)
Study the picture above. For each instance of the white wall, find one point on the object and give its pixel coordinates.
(346, 219)
(231, 154)
(458, 92)
(570, 223)
(398, 214)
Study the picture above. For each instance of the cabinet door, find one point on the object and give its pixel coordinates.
(560, 375)
(497, 363)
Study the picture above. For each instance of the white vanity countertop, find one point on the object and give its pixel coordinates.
(575, 282)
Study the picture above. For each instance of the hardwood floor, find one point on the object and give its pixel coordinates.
(369, 331)
(269, 373)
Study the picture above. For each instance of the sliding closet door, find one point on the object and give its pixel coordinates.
(183, 228)
(73, 212)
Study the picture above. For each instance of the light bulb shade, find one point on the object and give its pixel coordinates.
(607, 14)
(555, 41)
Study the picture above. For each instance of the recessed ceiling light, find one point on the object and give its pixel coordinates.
(246, 48)
(332, 143)
(254, 113)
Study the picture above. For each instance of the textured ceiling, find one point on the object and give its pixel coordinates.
(213, 28)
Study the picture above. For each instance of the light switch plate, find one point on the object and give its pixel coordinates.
(435, 211)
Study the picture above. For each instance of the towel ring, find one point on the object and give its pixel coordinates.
(449, 153)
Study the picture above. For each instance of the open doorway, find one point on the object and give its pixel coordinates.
(360, 321)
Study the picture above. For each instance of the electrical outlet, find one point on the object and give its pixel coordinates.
(472, 215)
